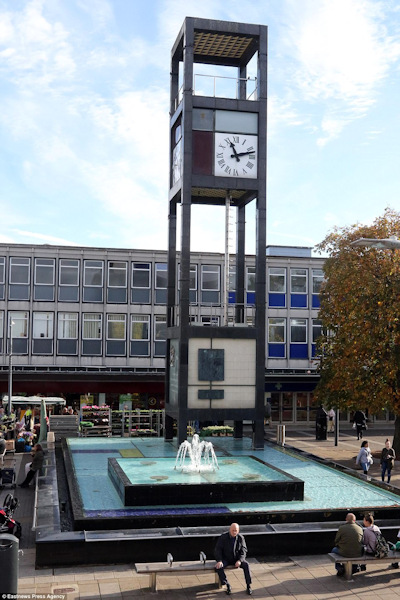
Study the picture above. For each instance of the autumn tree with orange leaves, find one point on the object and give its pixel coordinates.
(360, 312)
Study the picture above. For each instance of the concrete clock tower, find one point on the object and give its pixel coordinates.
(217, 157)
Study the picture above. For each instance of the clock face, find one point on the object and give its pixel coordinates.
(177, 162)
(235, 155)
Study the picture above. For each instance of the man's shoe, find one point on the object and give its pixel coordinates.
(249, 590)
(228, 589)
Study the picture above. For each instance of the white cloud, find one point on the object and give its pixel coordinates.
(47, 239)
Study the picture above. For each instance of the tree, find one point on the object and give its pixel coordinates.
(360, 311)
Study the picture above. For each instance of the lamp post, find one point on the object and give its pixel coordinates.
(10, 351)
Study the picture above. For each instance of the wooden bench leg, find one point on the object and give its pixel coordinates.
(348, 570)
(153, 582)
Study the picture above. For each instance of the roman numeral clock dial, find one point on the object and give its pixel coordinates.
(235, 155)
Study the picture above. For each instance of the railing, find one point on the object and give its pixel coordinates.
(208, 314)
(228, 87)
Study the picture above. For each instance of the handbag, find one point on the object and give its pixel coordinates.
(354, 425)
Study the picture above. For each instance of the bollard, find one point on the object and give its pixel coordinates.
(280, 435)
(9, 546)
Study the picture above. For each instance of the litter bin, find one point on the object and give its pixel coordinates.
(321, 424)
(9, 546)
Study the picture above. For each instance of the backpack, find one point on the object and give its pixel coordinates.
(382, 547)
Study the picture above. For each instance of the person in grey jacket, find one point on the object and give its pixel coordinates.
(231, 550)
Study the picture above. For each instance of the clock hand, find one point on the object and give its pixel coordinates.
(235, 154)
(241, 154)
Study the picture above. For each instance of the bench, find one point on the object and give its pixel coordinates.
(393, 557)
(187, 567)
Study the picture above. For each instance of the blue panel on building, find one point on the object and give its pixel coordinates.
(276, 350)
(251, 297)
(298, 300)
(277, 300)
(232, 297)
(316, 303)
(298, 351)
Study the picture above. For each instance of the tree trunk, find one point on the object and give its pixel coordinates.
(396, 439)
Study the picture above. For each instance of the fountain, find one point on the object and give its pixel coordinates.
(201, 454)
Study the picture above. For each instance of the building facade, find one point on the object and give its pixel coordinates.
(92, 321)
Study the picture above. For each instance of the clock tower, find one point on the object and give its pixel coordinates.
(217, 157)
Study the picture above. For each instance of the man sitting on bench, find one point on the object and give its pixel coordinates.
(231, 549)
(348, 542)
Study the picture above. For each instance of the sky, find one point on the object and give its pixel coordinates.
(84, 119)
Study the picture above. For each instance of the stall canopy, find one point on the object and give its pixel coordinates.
(33, 400)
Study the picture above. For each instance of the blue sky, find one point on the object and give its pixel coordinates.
(84, 106)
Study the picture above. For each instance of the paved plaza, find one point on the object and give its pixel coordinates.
(281, 578)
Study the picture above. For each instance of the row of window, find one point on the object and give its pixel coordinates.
(117, 275)
(139, 334)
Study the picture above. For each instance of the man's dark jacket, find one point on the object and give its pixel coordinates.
(228, 553)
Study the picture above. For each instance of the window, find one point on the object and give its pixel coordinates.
(207, 320)
(232, 279)
(298, 331)
(67, 326)
(42, 333)
(116, 327)
(140, 291)
(67, 339)
(277, 280)
(316, 329)
(117, 282)
(42, 325)
(93, 280)
(92, 326)
(2, 276)
(18, 327)
(116, 335)
(276, 331)
(1, 331)
(20, 271)
(140, 335)
(68, 290)
(44, 271)
(210, 277)
(140, 327)
(251, 279)
(69, 272)
(161, 275)
(92, 333)
(298, 281)
(317, 279)
(160, 335)
(44, 279)
(19, 282)
(210, 284)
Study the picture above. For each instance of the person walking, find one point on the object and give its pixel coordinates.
(231, 549)
(360, 422)
(387, 460)
(364, 457)
(331, 420)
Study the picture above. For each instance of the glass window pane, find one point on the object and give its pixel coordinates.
(140, 325)
(203, 119)
(141, 275)
(298, 281)
(93, 274)
(19, 271)
(277, 280)
(236, 121)
(117, 274)
(316, 329)
(92, 326)
(116, 327)
(251, 279)
(160, 328)
(18, 324)
(43, 325)
(67, 326)
(44, 271)
(298, 331)
(2, 268)
(318, 278)
(1, 324)
(276, 331)
(69, 272)
(210, 277)
(161, 275)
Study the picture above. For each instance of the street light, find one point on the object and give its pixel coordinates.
(390, 243)
(10, 370)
